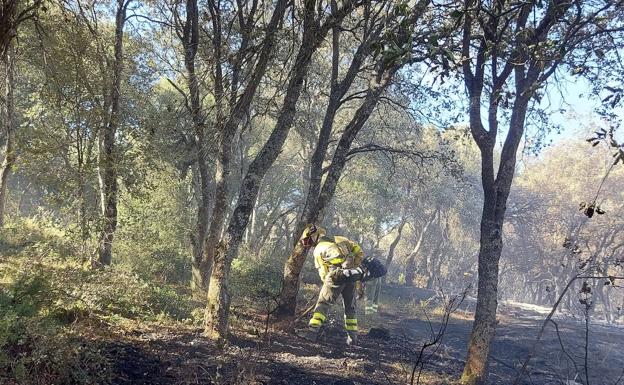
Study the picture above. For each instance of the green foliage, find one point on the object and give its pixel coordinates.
(35, 345)
(152, 238)
(45, 304)
(256, 278)
(36, 236)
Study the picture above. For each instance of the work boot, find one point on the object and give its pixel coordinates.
(352, 338)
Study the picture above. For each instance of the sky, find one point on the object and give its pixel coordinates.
(580, 112)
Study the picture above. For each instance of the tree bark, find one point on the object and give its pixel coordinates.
(8, 11)
(239, 110)
(502, 61)
(109, 158)
(389, 259)
(496, 191)
(8, 111)
(217, 310)
(410, 266)
(225, 154)
(12, 14)
(190, 43)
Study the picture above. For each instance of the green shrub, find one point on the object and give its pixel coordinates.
(152, 239)
(35, 346)
(255, 278)
(41, 304)
(37, 236)
(165, 266)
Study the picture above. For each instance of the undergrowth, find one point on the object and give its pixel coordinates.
(56, 313)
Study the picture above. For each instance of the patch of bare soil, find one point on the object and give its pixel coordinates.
(184, 356)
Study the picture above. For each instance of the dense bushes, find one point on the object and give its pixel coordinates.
(36, 344)
(48, 303)
(255, 278)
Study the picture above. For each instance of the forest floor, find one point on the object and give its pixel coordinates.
(181, 355)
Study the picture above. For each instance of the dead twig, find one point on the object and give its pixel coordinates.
(548, 319)
(451, 305)
(563, 349)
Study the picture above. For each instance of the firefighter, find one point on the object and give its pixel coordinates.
(339, 264)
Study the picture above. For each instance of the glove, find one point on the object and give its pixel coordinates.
(340, 276)
(374, 268)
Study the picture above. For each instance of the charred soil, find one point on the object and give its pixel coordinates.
(389, 343)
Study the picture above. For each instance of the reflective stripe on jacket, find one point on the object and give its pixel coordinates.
(337, 251)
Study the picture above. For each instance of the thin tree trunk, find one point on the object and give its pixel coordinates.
(251, 229)
(217, 310)
(190, 40)
(227, 132)
(238, 111)
(310, 213)
(410, 270)
(433, 272)
(291, 267)
(294, 264)
(436, 257)
(108, 154)
(389, 259)
(9, 129)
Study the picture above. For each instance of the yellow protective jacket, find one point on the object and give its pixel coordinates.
(336, 251)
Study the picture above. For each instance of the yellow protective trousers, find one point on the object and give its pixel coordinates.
(328, 296)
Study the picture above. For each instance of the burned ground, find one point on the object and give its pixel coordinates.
(156, 355)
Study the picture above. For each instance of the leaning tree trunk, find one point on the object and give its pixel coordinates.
(108, 154)
(308, 215)
(8, 111)
(318, 200)
(217, 309)
(410, 265)
(294, 264)
(319, 193)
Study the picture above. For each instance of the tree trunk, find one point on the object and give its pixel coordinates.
(217, 310)
(525, 79)
(251, 229)
(313, 210)
(294, 264)
(410, 267)
(434, 266)
(389, 259)
(229, 127)
(495, 191)
(108, 154)
(200, 268)
(200, 273)
(475, 371)
(8, 111)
